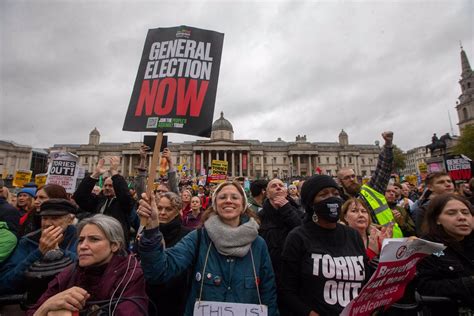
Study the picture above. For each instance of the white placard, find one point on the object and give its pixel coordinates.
(208, 308)
(63, 170)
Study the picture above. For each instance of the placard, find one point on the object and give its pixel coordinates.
(208, 308)
(219, 166)
(40, 179)
(396, 268)
(176, 84)
(21, 178)
(63, 170)
(458, 168)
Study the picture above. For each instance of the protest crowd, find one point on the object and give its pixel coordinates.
(299, 247)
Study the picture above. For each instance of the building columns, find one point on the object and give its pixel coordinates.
(240, 163)
(310, 166)
(298, 161)
(232, 156)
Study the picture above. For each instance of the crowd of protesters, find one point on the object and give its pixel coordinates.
(118, 250)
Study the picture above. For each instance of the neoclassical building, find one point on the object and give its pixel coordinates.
(250, 158)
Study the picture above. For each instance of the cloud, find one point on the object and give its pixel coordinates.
(288, 67)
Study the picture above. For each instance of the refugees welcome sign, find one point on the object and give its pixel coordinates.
(176, 84)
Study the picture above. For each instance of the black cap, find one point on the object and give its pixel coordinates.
(57, 207)
(313, 186)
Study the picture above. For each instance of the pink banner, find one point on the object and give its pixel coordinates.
(244, 161)
(198, 162)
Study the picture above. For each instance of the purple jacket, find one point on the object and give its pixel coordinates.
(101, 282)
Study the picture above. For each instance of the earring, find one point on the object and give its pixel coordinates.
(315, 217)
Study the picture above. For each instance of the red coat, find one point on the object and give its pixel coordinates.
(101, 282)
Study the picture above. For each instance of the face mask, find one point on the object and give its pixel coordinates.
(329, 209)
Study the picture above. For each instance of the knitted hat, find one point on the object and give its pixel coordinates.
(57, 207)
(31, 191)
(313, 186)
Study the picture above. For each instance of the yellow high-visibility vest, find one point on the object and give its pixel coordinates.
(378, 204)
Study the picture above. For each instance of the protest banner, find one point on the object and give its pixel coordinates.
(40, 179)
(63, 170)
(202, 180)
(458, 168)
(397, 267)
(412, 179)
(219, 166)
(435, 167)
(216, 178)
(176, 84)
(423, 167)
(208, 308)
(21, 178)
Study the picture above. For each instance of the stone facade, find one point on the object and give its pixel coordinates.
(13, 157)
(250, 158)
(415, 157)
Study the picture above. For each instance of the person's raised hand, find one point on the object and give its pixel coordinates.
(114, 165)
(50, 238)
(148, 210)
(388, 138)
(279, 201)
(99, 169)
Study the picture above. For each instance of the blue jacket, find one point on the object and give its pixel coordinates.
(25, 254)
(226, 279)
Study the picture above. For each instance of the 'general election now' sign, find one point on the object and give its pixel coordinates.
(458, 168)
(176, 84)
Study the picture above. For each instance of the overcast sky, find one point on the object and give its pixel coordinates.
(288, 68)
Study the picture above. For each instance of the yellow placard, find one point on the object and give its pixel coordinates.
(412, 179)
(423, 167)
(21, 178)
(219, 166)
(40, 179)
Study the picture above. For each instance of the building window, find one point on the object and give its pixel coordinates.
(264, 159)
(328, 172)
(468, 85)
(319, 159)
(350, 159)
(363, 161)
(327, 159)
(257, 159)
(464, 113)
(87, 160)
(284, 159)
(364, 173)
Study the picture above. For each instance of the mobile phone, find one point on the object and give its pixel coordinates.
(149, 140)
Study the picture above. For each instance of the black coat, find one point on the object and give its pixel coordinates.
(275, 226)
(170, 297)
(10, 215)
(449, 273)
(118, 207)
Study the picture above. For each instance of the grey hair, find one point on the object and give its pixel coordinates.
(174, 199)
(111, 228)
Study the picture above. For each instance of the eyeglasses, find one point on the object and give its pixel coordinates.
(351, 176)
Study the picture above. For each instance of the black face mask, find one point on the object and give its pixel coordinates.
(329, 209)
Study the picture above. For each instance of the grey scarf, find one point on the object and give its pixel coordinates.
(231, 241)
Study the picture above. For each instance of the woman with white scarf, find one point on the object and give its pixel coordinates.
(230, 262)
